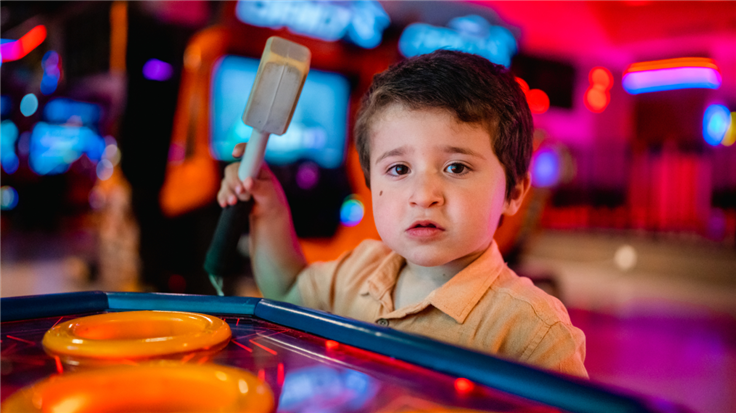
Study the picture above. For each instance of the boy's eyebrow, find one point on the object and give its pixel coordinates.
(393, 152)
(464, 151)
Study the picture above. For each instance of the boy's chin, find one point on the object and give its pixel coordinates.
(427, 259)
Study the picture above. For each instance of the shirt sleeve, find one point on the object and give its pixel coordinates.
(317, 283)
(561, 348)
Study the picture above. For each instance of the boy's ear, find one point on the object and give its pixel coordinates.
(513, 203)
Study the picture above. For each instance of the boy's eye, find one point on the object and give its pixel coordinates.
(398, 170)
(456, 168)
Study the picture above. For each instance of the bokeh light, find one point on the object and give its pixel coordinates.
(463, 385)
(9, 197)
(597, 97)
(29, 104)
(104, 170)
(538, 101)
(8, 136)
(546, 168)
(307, 175)
(158, 70)
(716, 121)
(625, 257)
(352, 211)
(730, 137)
(51, 72)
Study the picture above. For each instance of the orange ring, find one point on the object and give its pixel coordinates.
(135, 335)
(154, 387)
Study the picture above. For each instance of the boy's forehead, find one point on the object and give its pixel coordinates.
(396, 114)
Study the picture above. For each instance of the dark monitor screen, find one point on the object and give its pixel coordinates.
(318, 128)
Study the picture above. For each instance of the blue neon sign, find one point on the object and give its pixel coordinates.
(472, 34)
(361, 21)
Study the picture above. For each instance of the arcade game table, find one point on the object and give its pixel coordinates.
(314, 361)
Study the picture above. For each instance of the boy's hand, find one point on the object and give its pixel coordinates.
(231, 188)
(265, 189)
(276, 256)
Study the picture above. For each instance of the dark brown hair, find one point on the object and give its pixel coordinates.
(466, 85)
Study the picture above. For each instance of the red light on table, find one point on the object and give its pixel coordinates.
(331, 344)
(463, 385)
(598, 95)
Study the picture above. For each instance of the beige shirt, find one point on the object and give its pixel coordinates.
(485, 307)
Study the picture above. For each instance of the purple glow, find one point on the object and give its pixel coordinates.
(155, 69)
(307, 176)
(671, 79)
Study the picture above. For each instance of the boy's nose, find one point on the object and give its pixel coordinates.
(427, 192)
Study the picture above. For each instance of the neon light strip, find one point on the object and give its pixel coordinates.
(671, 79)
(17, 49)
(672, 63)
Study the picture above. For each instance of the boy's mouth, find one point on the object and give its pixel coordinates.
(424, 226)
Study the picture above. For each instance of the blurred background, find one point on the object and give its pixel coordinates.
(119, 117)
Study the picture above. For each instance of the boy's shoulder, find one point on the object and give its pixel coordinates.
(529, 298)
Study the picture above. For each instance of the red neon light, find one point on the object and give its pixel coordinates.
(280, 374)
(243, 346)
(188, 357)
(21, 339)
(59, 367)
(262, 375)
(57, 321)
(598, 95)
(331, 344)
(19, 48)
(464, 385)
(264, 347)
(672, 64)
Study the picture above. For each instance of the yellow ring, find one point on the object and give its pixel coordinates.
(135, 334)
(155, 387)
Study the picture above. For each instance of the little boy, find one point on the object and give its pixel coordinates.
(444, 141)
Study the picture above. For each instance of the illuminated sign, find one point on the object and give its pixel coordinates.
(671, 74)
(472, 34)
(361, 21)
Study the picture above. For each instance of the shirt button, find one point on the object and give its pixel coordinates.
(382, 322)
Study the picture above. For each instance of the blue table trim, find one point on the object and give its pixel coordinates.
(565, 392)
(243, 306)
(49, 305)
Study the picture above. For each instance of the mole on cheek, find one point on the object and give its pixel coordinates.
(380, 193)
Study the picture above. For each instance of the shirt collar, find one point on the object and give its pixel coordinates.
(456, 298)
(384, 277)
(461, 293)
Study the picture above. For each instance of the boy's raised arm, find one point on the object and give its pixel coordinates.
(276, 255)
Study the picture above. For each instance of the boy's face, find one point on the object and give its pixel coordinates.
(438, 189)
